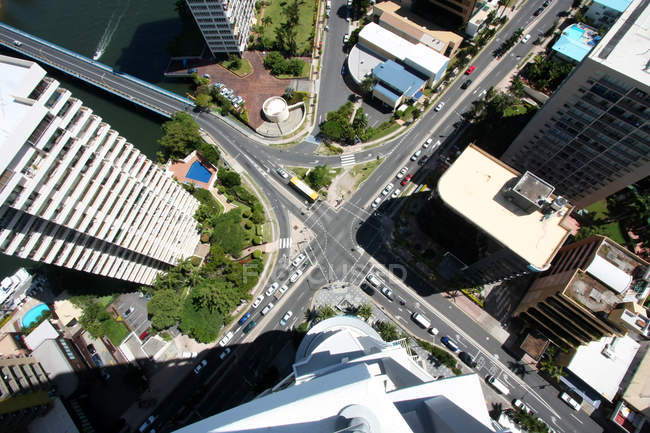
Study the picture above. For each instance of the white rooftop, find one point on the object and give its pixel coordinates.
(624, 46)
(609, 274)
(17, 116)
(419, 56)
(44, 331)
(473, 187)
(604, 374)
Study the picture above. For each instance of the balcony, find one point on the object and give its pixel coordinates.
(40, 89)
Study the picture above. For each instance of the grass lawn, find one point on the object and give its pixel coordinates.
(18, 402)
(611, 230)
(105, 301)
(244, 69)
(274, 9)
(514, 110)
(324, 149)
(303, 74)
(115, 331)
(383, 132)
(361, 171)
(301, 172)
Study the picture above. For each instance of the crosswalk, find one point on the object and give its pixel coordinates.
(285, 243)
(347, 160)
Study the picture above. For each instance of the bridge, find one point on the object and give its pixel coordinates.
(125, 86)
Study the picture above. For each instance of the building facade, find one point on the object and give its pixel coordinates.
(225, 24)
(604, 13)
(595, 288)
(592, 138)
(463, 9)
(75, 194)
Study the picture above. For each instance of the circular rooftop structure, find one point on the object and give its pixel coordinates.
(275, 109)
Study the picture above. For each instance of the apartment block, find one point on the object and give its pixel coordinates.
(595, 288)
(592, 137)
(463, 9)
(225, 24)
(75, 194)
(524, 222)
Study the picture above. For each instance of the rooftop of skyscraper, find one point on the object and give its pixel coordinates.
(624, 46)
(480, 187)
(346, 377)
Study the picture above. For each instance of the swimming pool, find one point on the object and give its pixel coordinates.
(198, 172)
(32, 315)
(574, 32)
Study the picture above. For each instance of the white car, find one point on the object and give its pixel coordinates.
(346, 38)
(202, 364)
(525, 39)
(416, 155)
(225, 353)
(258, 301)
(283, 289)
(373, 280)
(436, 145)
(272, 288)
(427, 143)
(286, 318)
(188, 355)
(521, 405)
(295, 276)
(570, 401)
(395, 193)
(402, 172)
(17, 43)
(388, 189)
(282, 172)
(439, 106)
(433, 331)
(387, 292)
(267, 308)
(147, 423)
(376, 202)
(298, 260)
(226, 339)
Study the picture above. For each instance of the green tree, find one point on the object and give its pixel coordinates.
(365, 311)
(367, 85)
(516, 87)
(234, 62)
(165, 308)
(552, 369)
(266, 21)
(180, 136)
(274, 61)
(325, 312)
(92, 317)
(203, 101)
(229, 178)
(319, 177)
(387, 330)
(360, 122)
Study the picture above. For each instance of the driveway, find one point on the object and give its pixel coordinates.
(137, 320)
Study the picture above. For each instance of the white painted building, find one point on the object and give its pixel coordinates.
(347, 379)
(73, 193)
(225, 24)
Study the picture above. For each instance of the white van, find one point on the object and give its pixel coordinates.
(329, 4)
(498, 385)
(421, 320)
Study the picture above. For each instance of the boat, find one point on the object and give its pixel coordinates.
(97, 55)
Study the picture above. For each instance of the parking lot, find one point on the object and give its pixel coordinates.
(136, 319)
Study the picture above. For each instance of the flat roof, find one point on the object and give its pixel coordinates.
(397, 77)
(533, 188)
(576, 41)
(619, 48)
(534, 346)
(474, 187)
(637, 393)
(604, 374)
(617, 5)
(592, 294)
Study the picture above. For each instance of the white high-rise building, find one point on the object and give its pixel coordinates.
(346, 379)
(73, 193)
(225, 24)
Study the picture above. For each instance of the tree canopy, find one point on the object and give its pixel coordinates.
(165, 306)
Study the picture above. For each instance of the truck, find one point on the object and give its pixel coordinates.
(421, 320)
(304, 188)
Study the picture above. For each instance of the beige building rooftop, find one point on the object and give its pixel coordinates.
(475, 187)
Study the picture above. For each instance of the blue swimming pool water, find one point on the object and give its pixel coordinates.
(33, 314)
(574, 33)
(198, 172)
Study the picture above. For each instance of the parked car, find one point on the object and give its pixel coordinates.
(538, 11)
(346, 38)
(258, 301)
(285, 318)
(295, 276)
(423, 160)
(248, 328)
(188, 355)
(225, 353)
(467, 359)
(451, 344)
(387, 293)
(406, 180)
(376, 202)
(521, 405)
(272, 288)
(104, 374)
(244, 318)
(372, 279)
(402, 172)
(97, 360)
(128, 311)
(525, 39)
(433, 331)
(466, 84)
(395, 193)
(439, 106)
(283, 289)
(282, 172)
(470, 70)
(427, 142)
(226, 338)
(298, 260)
(91, 349)
(387, 190)
(202, 364)
(416, 155)
(267, 308)
(144, 335)
(575, 403)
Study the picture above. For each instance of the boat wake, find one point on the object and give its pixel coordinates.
(109, 31)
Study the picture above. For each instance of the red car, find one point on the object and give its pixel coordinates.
(407, 179)
(143, 335)
(470, 70)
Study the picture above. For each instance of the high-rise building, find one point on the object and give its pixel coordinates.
(595, 288)
(225, 24)
(525, 223)
(592, 137)
(463, 9)
(347, 379)
(73, 193)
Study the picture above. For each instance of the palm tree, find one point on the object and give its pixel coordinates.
(365, 311)
(553, 370)
(266, 21)
(366, 85)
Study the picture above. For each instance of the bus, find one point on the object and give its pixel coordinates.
(304, 188)
(498, 385)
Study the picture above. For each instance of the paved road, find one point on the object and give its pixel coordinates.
(350, 241)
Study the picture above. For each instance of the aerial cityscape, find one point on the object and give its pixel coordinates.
(325, 216)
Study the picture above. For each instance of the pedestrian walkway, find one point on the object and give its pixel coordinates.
(347, 160)
(284, 243)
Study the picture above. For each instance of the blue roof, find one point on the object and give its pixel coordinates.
(396, 76)
(390, 95)
(575, 42)
(617, 5)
